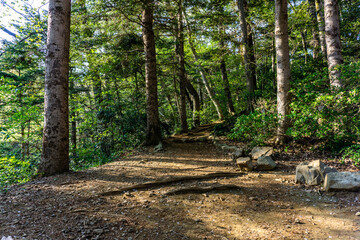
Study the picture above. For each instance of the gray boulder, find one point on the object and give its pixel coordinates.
(257, 152)
(265, 163)
(349, 181)
(244, 163)
(312, 173)
(237, 154)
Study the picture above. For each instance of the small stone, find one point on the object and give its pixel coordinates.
(357, 214)
(98, 231)
(244, 163)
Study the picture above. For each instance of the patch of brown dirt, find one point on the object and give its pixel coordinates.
(257, 205)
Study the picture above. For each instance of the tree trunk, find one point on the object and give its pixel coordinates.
(153, 134)
(203, 74)
(224, 76)
(314, 29)
(303, 41)
(196, 103)
(181, 68)
(226, 85)
(246, 54)
(333, 43)
(321, 25)
(55, 153)
(282, 68)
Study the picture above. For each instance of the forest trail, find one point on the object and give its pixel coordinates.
(254, 205)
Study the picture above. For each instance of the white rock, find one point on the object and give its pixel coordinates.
(342, 181)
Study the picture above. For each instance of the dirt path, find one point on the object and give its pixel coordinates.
(262, 205)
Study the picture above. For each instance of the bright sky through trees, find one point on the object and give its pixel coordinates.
(12, 11)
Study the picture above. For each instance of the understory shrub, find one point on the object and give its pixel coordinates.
(256, 127)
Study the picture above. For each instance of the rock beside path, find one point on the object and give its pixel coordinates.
(257, 152)
(265, 163)
(244, 163)
(349, 181)
(312, 173)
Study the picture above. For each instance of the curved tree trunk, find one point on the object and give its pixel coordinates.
(55, 153)
(333, 43)
(196, 102)
(153, 134)
(203, 74)
(282, 68)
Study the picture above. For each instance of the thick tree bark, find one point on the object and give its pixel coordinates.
(250, 79)
(55, 154)
(321, 26)
(282, 68)
(314, 29)
(333, 43)
(181, 68)
(203, 74)
(153, 134)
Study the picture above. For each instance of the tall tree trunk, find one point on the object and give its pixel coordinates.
(55, 153)
(203, 74)
(282, 67)
(303, 41)
(246, 54)
(224, 75)
(226, 86)
(321, 25)
(314, 29)
(153, 134)
(333, 43)
(73, 124)
(181, 68)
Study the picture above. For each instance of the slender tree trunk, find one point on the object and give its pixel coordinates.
(153, 134)
(203, 74)
(224, 76)
(55, 154)
(303, 41)
(321, 26)
(181, 68)
(333, 43)
(314, 29)
(226, 85)
(196, 102)
(246, 54)
(282, 67)
(251, 42)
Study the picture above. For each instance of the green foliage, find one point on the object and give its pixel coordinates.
(352, 152)
(14, 170)
(257, 127)
(318, 112)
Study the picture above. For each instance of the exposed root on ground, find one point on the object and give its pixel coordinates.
(160, 183)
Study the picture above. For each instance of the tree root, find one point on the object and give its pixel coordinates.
(203, 189)
(160, 183)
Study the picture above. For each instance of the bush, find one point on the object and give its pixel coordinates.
(13, 170)
(257, 127)
(352, 152)
(320, 113)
